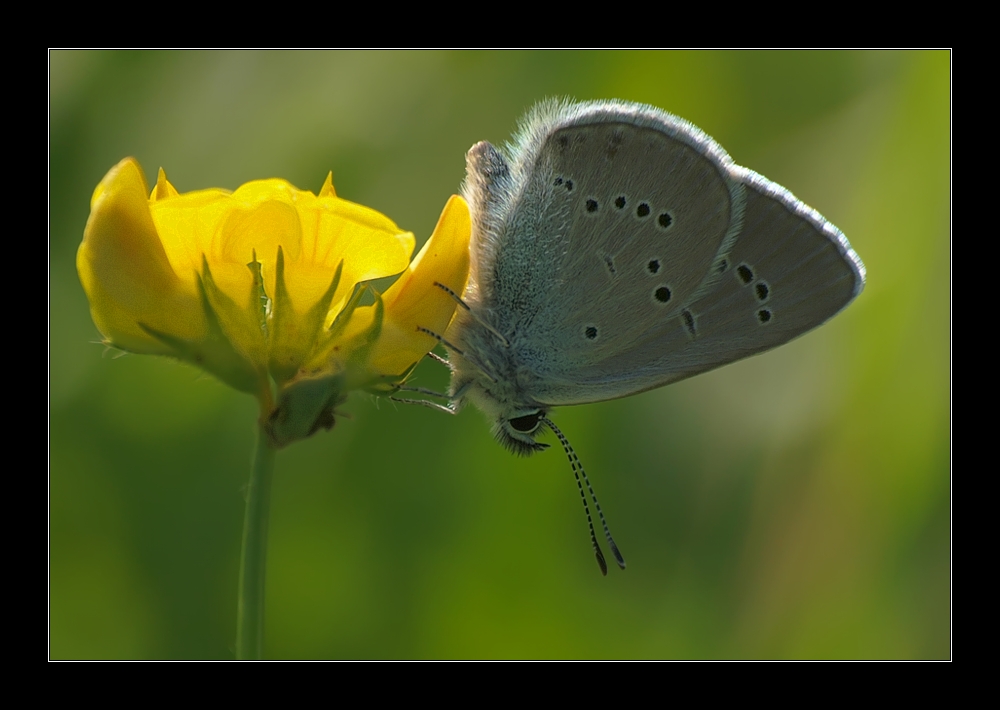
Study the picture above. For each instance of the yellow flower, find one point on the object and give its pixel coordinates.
(261, 287)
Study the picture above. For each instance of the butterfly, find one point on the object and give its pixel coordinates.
(617, 248)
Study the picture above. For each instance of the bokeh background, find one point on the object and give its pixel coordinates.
(794, 505)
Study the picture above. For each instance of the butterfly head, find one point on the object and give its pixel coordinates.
(517, 433)
(515, 425)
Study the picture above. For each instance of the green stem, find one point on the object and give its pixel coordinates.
(253, 558)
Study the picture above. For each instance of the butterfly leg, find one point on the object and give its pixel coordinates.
(440, 339)
(422, 390)
(463, 304)
(425, 403)
(457, 351)
(443, 361)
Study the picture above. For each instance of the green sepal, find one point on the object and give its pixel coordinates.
(390, 384)
(292, 339)
(340, 322)
(241, 324)
(214, 353)
(258, 296)
(320, 358)
(361, 345)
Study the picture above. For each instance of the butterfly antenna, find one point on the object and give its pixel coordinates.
(581, 478)
(463, 304)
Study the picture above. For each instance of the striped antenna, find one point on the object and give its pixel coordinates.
(579, 474)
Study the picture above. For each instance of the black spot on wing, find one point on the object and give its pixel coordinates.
(689, 322)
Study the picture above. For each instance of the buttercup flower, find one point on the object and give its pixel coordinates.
(261, 287)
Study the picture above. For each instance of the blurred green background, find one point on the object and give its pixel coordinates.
(793, 505)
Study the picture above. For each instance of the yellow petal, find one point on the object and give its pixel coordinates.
(187, 224)
(125, 271)
(414, 301)
(254, 229)
(369, 244)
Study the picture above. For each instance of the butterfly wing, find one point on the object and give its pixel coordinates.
(788, 272)
(626, 251)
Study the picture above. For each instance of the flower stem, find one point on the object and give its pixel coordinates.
(253, 558)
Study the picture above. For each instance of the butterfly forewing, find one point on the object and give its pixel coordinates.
(640, 205)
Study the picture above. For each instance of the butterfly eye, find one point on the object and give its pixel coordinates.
(526, 424)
